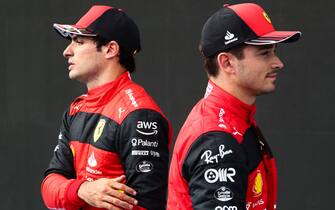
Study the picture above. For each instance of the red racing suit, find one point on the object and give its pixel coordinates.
(220, 159)
(114, 129)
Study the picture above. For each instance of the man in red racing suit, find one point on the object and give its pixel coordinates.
(221, 157)
(221, 160)
(113, 141)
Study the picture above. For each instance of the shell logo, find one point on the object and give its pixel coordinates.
(99, 129)
(266, 17)
(258, 184)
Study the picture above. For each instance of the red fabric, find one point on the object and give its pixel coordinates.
(94, 13)
(235, 119)
(98, 100)
(257, 22)
(109, 161)
(60, 192)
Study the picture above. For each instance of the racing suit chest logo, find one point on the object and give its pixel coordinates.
(92, 161)
(99, 129)
(147, 128)
(258, 185)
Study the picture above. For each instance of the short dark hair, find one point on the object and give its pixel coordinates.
(211, 65)
(126, 58)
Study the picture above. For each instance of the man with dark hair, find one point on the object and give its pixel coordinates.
(112, 150)
(221, 160)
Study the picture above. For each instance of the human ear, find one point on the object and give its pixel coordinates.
(225, 62)
(112, 49)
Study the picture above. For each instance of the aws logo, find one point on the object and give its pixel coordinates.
(144, 126)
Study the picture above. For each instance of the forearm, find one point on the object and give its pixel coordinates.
(60, 192)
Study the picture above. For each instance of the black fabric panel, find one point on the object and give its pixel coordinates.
(263, 143)
(215, 168)
(213, 35)
(85, 125)
(252, 149)
(143, 148)
(62, 160)
(83, 128)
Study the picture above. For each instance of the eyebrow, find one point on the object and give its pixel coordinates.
(75, 38)
(267, 46)
(78, 37)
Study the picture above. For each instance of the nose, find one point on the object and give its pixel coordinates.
(68, 51)
(277, 63)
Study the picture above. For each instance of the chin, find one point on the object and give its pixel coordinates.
(73, 75)
(267, 91)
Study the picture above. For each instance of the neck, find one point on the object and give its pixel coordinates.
(229, 87)
(109, 74)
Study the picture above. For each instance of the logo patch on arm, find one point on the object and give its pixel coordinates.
(213, 175)
(144, 166)
(223, 194)
(209, 157)
(147, 128)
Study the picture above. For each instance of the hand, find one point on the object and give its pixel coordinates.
(106, 193)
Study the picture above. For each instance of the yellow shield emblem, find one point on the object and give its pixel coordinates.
(258, 185)
(266, 16)
(99, 129)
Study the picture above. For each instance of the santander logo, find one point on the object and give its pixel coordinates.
(92, 161)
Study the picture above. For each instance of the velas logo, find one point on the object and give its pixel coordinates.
(99, 129)
(258, 185)
(267, 18)
(230, 37)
